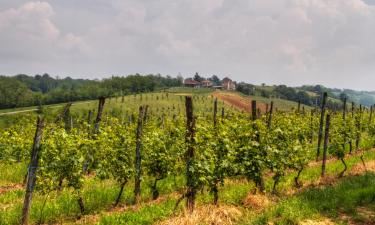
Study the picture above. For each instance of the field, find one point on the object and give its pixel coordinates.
(251, 166)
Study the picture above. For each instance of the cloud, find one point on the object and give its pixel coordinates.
(28, 35)
(273, 41)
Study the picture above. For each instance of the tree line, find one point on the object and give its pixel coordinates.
(24, 90)
(308, 95)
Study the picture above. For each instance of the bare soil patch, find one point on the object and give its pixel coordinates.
(12, 187)
(239, 102)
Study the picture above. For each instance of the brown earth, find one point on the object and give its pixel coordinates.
(239, 102)
(12, 187)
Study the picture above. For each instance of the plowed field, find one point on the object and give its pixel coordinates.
(238, 101)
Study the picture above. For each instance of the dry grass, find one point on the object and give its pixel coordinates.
(206, 215)
(183, 94)
(256, 201)
(360, 168)
(367, 217)
(317, 222)
(12, 187)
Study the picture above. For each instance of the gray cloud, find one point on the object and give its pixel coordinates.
(273, 41)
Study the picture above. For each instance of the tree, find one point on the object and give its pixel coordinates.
(198, 78)
(215, 80)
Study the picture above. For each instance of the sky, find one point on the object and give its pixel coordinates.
(293, 42)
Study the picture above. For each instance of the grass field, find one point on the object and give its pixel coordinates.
(169, 102)
(330, 199)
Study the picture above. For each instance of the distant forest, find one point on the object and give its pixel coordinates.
(23, 90)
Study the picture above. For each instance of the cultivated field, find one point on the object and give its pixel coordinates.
(224, 165)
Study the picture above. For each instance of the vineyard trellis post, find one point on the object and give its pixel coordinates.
(312, 125)
(100, 112)
(215, 112)
(138, 157)
(322, 114)
(344, 109)
(299, 107)
(253, 109)
(358, 126)
(269, 121)
(89, 117)
(325, 148)
(190, 133)
(344, 121)
(31, 178)
(64, 114)
(371, 111)
(350, 130)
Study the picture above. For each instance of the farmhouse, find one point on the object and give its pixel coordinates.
(207, 84)
(228, 84)
(189, 82)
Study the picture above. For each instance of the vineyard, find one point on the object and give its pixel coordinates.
(187, 158)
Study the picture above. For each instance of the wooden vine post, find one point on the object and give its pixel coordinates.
(100, 112)
(89, 117)
(326, 139)
(138, 156)
(299, 107)
(320, 134)
(371, 111)
(358, 125)
(253, 110)
(311, 125)
(215, 113)
(215, 188)
(269, 121)
(350, 140)
(31, 178)
(190, 155)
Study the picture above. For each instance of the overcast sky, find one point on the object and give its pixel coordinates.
(293, 42)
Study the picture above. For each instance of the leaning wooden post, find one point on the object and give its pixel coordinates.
(222, 113)
(322, 113)
(31, 178)
(100, 112)
(138, 171)
(145, 113)
(353, 108)
(64, 114)
(190, 154)
(344, 109)
(326, 138)
(311, 125)
(89, 117)
(344, 120)
(371, 111)
(215, 112)
(299, 107)
(358, 124)
(270, 116)
(253, 110)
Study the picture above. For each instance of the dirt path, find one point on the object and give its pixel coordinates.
(49, 107)
(238, 101)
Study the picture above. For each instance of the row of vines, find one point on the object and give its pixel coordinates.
(206, 150)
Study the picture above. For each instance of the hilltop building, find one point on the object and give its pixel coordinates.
(189, 82)
(226, 84)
